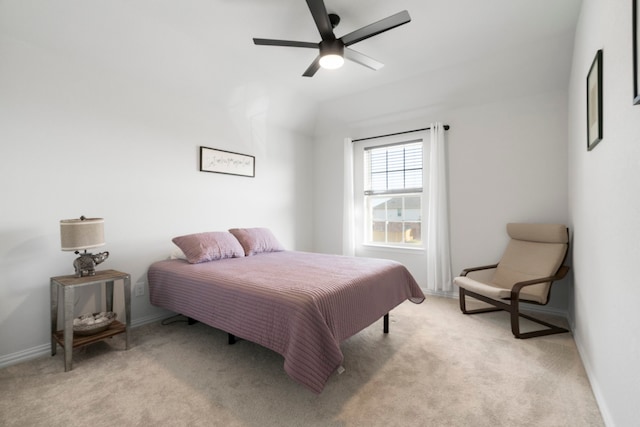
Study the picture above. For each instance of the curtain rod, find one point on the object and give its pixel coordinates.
(446, 127)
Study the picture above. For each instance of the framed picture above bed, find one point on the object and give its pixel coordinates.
(227, 162)
(636, 46)
(594, 102)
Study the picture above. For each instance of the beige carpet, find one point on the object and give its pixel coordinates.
(437, 367)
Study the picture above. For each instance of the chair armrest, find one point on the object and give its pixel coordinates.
(515, 291)
(482, 267)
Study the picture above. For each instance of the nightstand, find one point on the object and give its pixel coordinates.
(68, 285)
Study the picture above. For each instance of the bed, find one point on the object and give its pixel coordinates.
(298, 304)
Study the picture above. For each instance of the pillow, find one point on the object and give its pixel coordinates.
(256, 240)
(211, 246)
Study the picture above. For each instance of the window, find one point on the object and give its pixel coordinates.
(392, 190)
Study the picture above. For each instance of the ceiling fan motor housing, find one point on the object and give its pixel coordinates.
(331, 47)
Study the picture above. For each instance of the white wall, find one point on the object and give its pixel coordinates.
(604, 206)
(507, 163)
(86, 135)
(507, 146)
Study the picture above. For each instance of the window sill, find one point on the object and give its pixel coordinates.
(409, 249)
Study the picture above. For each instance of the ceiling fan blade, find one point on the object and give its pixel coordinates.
(381, 26)
(288, 43)
(362, 59)
(315, 66)
(320, 15)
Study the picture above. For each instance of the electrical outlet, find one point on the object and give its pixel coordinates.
(138, 289)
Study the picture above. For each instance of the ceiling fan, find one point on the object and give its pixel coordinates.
(333, 50)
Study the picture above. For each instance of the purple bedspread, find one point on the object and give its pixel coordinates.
(298, 304)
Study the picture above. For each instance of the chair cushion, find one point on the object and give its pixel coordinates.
(535, 251)
(543, 233)
(494, 291)
(485, 289)
(526, 261)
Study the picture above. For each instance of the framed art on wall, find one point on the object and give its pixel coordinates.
(594, 102)
(227, 162)
(636, 46)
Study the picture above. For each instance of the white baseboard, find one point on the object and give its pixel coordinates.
(545, 309)
(45, 349)
(149, 319)
(595, 387)
(530, 307)
(440, 293)
(24, 355)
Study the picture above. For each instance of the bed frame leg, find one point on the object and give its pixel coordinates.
(385, 327)
(232, 339)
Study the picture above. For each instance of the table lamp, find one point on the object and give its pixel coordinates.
(82, 234)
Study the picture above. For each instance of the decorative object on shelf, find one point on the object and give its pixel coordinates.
(89, 324)
(636, 55)
(82, 234)
(594, 102)
(227, 162)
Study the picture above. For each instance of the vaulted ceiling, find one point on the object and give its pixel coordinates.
(443, 35)
(454, 50)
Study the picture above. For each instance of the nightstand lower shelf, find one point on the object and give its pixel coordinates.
(79, 340)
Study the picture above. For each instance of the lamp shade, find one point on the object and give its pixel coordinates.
(83, 233)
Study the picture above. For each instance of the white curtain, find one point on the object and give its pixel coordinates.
(438, 253)
(348, 238)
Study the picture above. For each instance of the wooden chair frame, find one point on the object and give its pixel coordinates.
(514, 307)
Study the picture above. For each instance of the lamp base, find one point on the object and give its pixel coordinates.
(85, 264)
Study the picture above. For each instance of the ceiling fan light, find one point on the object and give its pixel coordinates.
(331, 61)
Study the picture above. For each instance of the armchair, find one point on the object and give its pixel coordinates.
(532, 261)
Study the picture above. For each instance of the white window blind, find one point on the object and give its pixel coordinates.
(395, 168)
